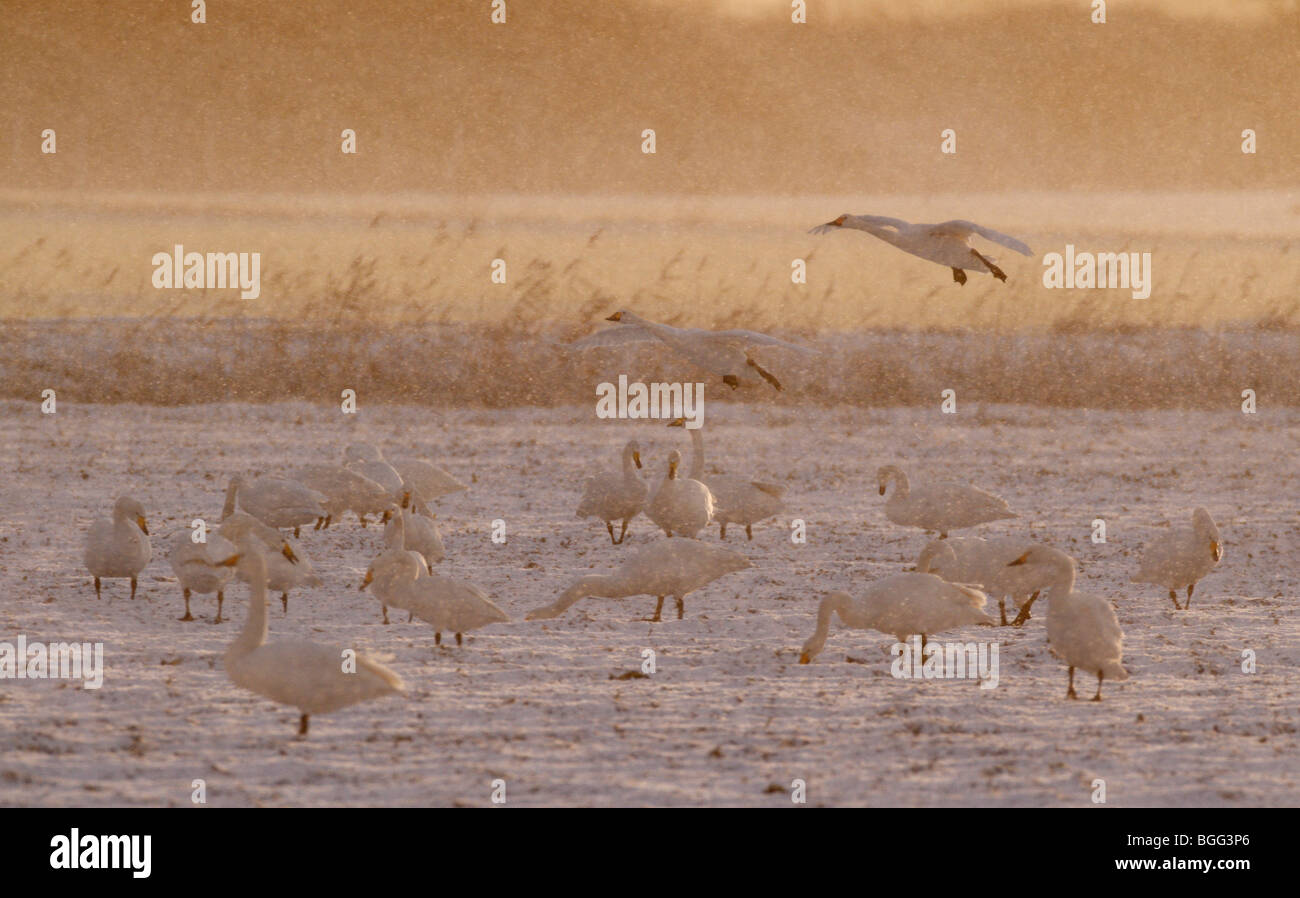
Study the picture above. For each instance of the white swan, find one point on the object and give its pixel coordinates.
(418, 533)
(288, 567)
(1182, 557)
(739, 500)
(119, 546)
(344, 490)
(313, 678)
(428, 481)
(983, 563)
(680, 505)
(946, 243)
(275, 501)
(671, 567)
(198, 567)
(901, 604)
(615, 495)
(390, 572)
(1081, 628)
(730, 354)
(448, 605)
(366, 459)
(940, 506)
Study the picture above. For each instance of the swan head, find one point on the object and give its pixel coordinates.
(1044, 555)
(677, 422)
(838, 222)
(1205, 527)
(617, 316)
(128, 509)
(674, 462)
(633, 448)
(934, 556)
(885, 474)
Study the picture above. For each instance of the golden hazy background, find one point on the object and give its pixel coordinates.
(523, 142)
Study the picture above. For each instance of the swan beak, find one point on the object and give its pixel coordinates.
(387, 515)
(370, 575)
(636, 457)
(672, 470)
(882, 489)
(804, 659)
(617, 316)
(406, 499)
(678, 422)
(837, 223)
(143, 524)
(1216, 550)
(287, 552)
(229, 562)
(1021, 560)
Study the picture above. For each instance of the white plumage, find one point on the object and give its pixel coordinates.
(680, 506)
(901, 604)
(984, 563)
(118, 546)
(615, 495)
(671, 567)
(198, 567)
(738, 500)
(939, 506)
(1081, 627)
(275, 501)
(1182, 557)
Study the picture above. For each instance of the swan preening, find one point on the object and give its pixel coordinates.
(198, 567)
(680, 506)
(730, 354)
(118, 546)
(946, 243)
(984, 563)
(670, 567)
(313, 678)
(275, 501)
(1081, 628)
(738, 499)
(615, 495)
(939, 506)
(901, 604)
(1182, 557)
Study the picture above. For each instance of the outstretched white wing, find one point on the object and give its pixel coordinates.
(742, 338)
(619, 335)
(963, 229)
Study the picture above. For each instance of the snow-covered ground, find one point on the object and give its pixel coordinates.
(729, 717)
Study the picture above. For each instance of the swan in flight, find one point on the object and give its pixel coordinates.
(344, 490)
(198, 567)
(448, 605)
(615, 495)
(1081, 628)
(119, 546)
(901, 604)
(984, 562)
(680, 505)
(940, 506)
(287, 567)
(730, 354)
(1182, 557)
(313, 678)
(275, 501)
(739, 500)
(417, 533)
(670, 567)
(947, 243)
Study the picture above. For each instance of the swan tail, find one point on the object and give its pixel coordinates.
(390, 678)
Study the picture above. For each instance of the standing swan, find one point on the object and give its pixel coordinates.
(941, 506)
(1182, 557)
(671, 567)
(119, 546)
(615, 495)
(275, 501)
(680, 505)
(1081, 628)
(985, 562)
(313, 678)
(198, 567)
(902, 604)
(286, 568)
(418, 533)
(739, 501)
(447, 604)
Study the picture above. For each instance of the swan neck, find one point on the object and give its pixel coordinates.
(231, 492)
(254, 632)
(697, 455)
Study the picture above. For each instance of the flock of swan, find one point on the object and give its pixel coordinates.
(948, 588)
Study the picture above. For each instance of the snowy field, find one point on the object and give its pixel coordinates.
(729, 717)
